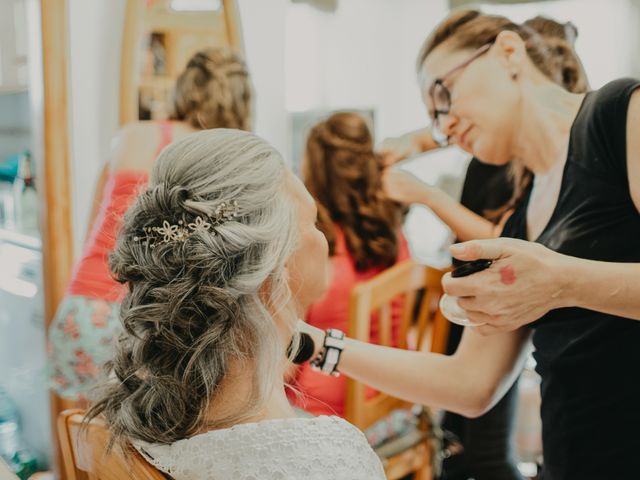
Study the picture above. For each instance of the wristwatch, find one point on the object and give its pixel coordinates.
(329, 357)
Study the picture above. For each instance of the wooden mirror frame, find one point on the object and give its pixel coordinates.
(55, 205)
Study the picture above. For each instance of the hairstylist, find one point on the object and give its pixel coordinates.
(575, 289)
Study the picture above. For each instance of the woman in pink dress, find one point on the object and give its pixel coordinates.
(363, 228)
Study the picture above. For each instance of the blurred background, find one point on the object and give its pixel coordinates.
(306, 58)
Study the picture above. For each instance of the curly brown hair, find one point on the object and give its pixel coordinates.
(214, 91)
(344, 175)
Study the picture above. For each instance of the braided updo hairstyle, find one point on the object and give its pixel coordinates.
(214, 91)
(344, 175)
(194, 306)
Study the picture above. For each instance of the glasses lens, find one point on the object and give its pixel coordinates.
(441, 97)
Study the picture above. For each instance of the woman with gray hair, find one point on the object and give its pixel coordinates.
(221, 257)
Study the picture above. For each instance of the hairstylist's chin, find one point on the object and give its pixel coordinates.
(488, 153)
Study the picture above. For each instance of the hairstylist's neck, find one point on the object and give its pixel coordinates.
(547, 114)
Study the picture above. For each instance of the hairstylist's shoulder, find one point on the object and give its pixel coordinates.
(134, 146)
(612, 99)
(633, 146)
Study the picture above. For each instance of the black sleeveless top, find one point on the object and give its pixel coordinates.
(590, 361)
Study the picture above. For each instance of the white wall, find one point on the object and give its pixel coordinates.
(360, 56)
(263, 29)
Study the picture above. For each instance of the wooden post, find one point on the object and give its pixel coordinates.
(55, 197)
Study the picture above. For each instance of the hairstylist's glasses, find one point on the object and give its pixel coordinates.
(441, 96)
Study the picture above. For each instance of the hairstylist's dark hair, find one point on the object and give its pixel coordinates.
(196, 306)
(560, 38)
(344, 175)
(471, 29)
(214, 91)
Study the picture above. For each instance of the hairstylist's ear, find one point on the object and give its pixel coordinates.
(511, 50)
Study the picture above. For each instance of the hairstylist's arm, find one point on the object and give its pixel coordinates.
(404, 187)
(396, 149)
(469, 382)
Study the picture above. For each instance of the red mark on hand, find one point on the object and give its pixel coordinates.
(507, 275)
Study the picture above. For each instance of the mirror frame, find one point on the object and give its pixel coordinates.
(55, 204)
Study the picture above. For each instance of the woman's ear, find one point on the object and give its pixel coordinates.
(511, 49)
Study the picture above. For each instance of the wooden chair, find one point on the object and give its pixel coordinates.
(404, 280)
(84, 453)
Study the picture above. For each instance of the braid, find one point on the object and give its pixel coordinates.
(214, 91)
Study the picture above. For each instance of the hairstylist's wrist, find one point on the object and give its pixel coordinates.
(569, 273)
(429, 196)
(564, 272)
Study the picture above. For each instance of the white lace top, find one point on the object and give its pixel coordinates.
(317, 448)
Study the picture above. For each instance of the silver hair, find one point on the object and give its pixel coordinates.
(195, 306)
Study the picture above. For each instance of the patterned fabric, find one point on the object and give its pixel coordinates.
(318, 448)
(80, 339)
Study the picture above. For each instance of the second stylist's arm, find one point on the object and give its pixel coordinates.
(469, 382)
(404, 187)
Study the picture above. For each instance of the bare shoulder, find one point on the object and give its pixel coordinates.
(134, 146)
(633, 147)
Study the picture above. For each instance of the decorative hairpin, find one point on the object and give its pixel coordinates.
(180, 232)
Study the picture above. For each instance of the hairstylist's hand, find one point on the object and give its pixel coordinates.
(396, 149)
(525, 281)
(403, 187)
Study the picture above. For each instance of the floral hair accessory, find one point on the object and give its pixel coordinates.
(179, 232)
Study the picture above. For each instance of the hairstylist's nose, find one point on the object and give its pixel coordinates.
(447, 124)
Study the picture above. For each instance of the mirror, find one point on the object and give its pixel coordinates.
(23, 390)
(159, 38)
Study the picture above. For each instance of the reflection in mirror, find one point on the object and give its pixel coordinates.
(160, 36)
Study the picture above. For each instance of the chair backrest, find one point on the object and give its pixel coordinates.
(85, 457)
(402, 281)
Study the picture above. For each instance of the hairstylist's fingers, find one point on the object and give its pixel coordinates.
(479, 249)
(486, 330)
(477, 317)
(390, 157)
(460, 287)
